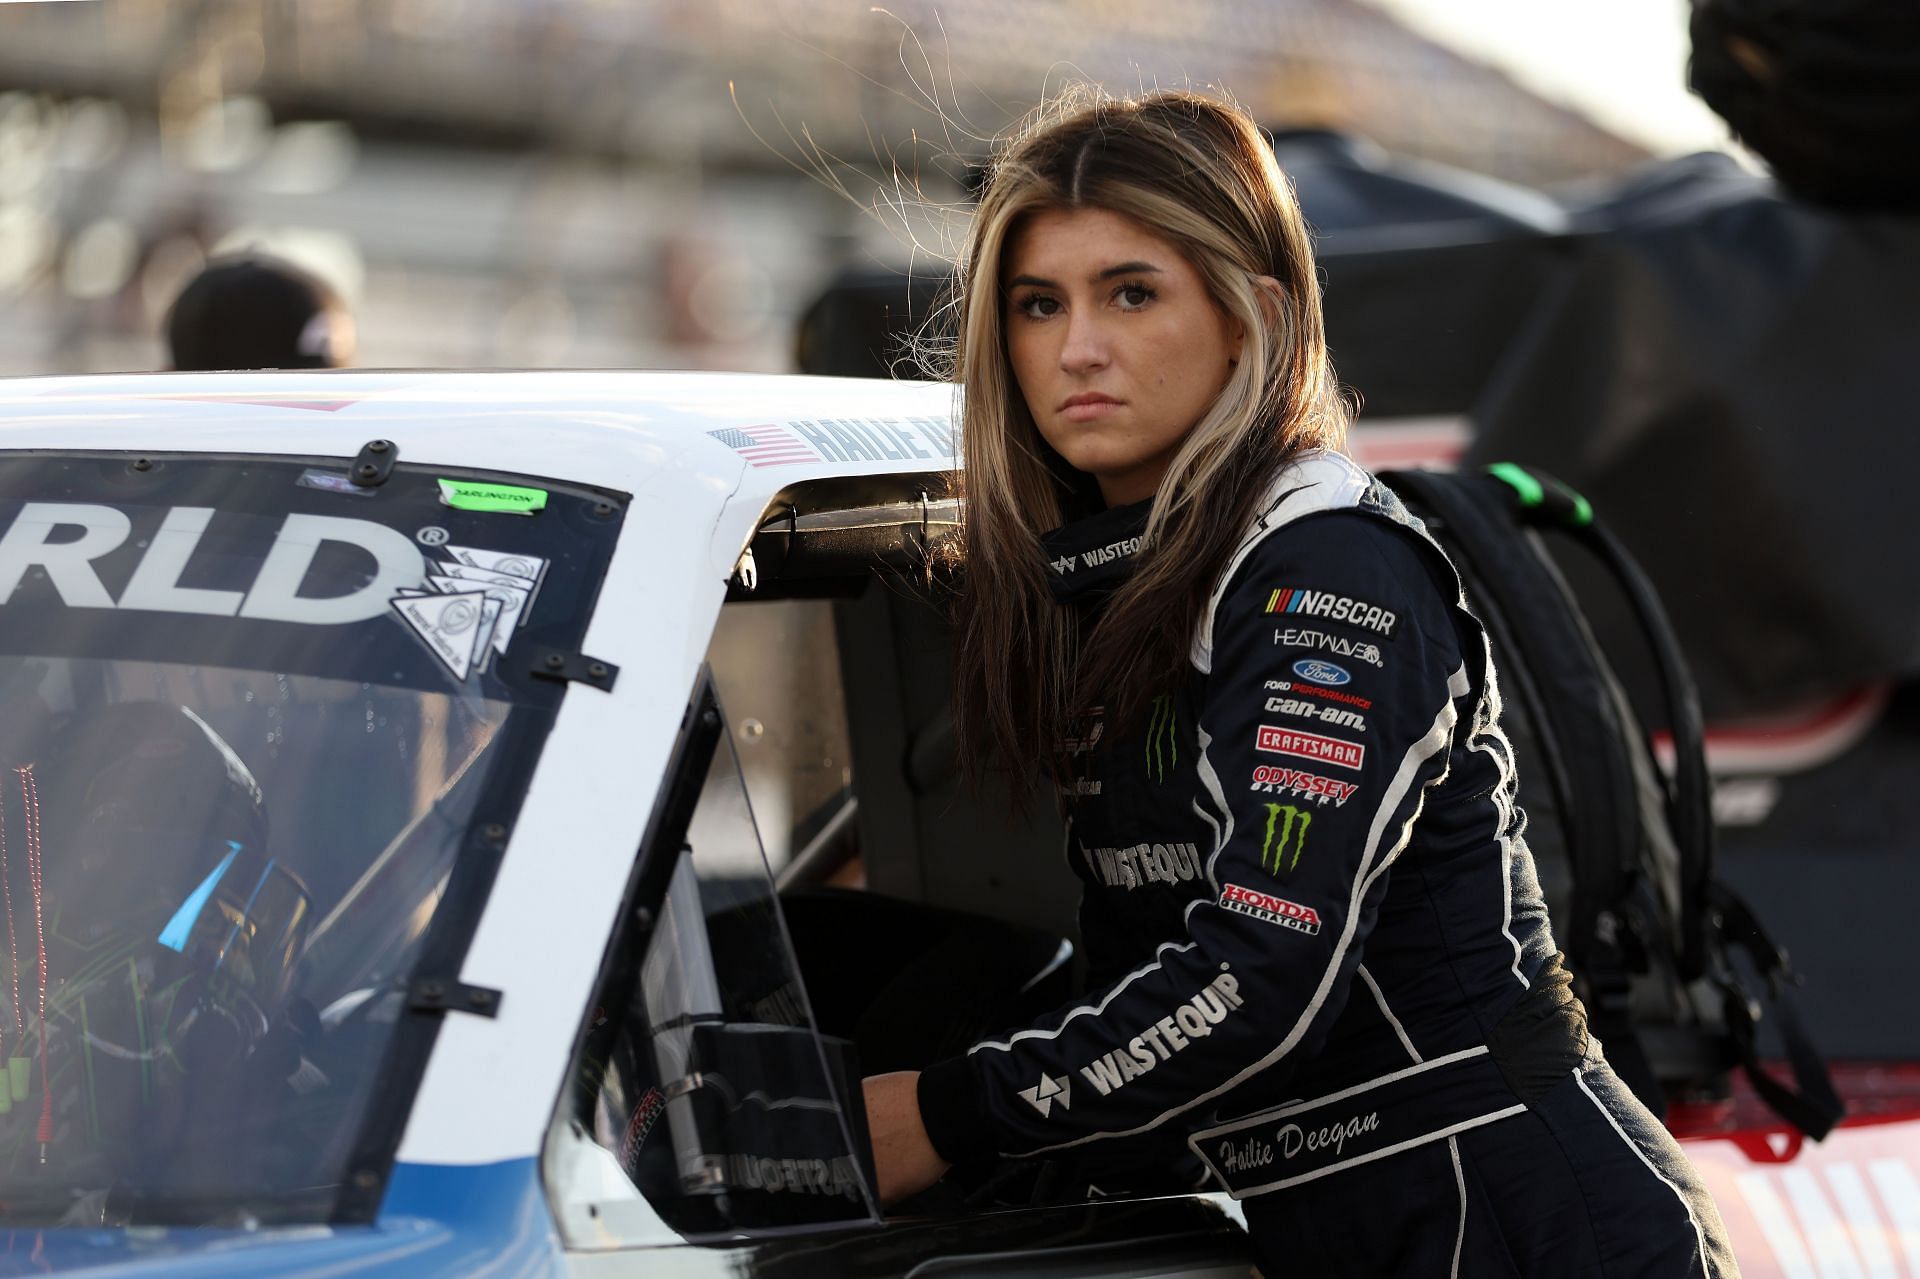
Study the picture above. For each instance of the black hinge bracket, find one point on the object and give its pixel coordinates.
(553, 663)
(443, 995)
(373, 464)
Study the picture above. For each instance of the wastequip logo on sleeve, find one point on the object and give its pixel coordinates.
(1321, 750)
(1194, 1019)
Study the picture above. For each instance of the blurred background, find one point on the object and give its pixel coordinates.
(671, 183)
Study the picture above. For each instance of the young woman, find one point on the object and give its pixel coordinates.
(1320, 955)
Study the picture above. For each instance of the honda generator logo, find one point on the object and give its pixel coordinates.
(1270, 909)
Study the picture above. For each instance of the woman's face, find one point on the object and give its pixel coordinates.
(1115, 341)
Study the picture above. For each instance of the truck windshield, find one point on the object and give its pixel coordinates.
(248, 715)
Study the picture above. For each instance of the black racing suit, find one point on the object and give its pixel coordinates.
(1319, 950)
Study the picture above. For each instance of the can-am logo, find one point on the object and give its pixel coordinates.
(30, 543)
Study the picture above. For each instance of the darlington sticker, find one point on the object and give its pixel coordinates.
(1321, 750)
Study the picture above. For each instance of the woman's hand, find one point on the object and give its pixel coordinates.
(903, 1158)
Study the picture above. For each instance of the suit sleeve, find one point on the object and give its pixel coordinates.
(1329, 709)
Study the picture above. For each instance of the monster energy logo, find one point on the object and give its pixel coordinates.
(1292, 822)
(1163, 739)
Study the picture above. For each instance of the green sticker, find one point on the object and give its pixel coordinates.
(470, 495)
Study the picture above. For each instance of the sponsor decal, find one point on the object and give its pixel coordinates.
(1270, 909)
(1050, 1089)
(1281, 857)
(503, 582)
(1315, 671)
(652, 1103)
(463, 608)
(1086, 732)
(1292, 1140)
(1163, 738)
(1338, 645)
(1097, 556)
(1275, 779)
(155, 585)
(1321, 750)
(1303, 602)
(840, 439)
(1194, 1019)
(834, 1176)
(1324, 694)
(1129, 868)
(1311, 710)
(1080, 787)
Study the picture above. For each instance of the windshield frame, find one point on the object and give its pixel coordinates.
(533, 706)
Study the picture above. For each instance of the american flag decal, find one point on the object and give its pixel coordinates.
(766, 445)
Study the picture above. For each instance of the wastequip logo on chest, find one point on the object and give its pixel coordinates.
(68, 565)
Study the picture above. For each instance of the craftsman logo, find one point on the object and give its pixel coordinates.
(1338, 645)
(1318, 672)
(67, 563)
(1325, 714)
(1321, 750)
(1324, 694)
(1278, 780)
(1050, 1089)
(1302, 602)
(1129, 868)
(1270, 909)
(1285, 839)
(1163, 738)
(1194, 1019)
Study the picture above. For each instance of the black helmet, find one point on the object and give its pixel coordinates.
(257, 312)
(1828, 91)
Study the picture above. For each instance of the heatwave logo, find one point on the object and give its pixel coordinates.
(1321, 750)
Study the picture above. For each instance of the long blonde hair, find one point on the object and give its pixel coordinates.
(1198, 172)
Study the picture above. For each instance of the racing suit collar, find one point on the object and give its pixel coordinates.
(1090, 558)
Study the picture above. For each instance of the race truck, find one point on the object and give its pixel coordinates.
(488, 823)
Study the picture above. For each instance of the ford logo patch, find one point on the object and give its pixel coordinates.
(1318, 672)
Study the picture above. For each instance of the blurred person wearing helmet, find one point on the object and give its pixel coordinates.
(252, 311)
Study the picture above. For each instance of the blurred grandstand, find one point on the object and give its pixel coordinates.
(611, 182)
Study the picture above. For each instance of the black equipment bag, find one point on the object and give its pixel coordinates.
(1625, 850)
